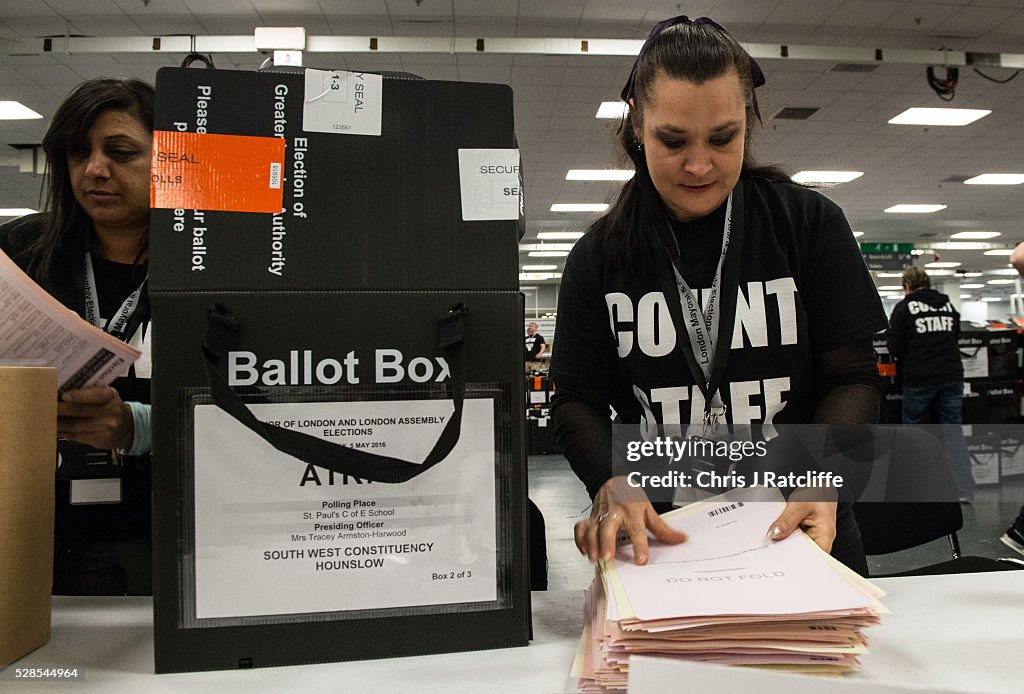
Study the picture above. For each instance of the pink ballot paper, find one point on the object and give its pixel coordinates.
(728, 566)
(727, 595)
(37, 330)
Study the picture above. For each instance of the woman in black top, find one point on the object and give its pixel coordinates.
(89, 249)
(788, 306)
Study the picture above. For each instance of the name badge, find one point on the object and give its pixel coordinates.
(104, 490)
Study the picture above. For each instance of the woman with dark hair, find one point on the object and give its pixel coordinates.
(89, 249)
(715, 300)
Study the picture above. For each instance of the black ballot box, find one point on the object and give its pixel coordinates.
(339, 466)
(990, 354)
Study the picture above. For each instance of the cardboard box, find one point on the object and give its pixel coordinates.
(28, 440)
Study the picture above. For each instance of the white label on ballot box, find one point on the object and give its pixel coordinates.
(344, 103)
(489, 181)
(275, 536)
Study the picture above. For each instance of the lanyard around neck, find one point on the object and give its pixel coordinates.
(703, 328)
(115, 326)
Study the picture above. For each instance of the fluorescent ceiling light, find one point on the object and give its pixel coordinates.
(942, 273)
(524, 247)
(965, 296)
(15, 211)
(599, 174)
(976, 235)
(961, 246)
(807, 177)
(1000, 251)
(990, 298)
(889, 274)
(857, 233)
(962, 286)
(972, 274)
(1003, 281)
(995, 179)
(554, 235)
(939, 116)
(541, 268)
(535, 276)
(891, 288)
(15, 110)
(548, 254)
(1003, 271)
(612, 109)
(579, 207)
(944, 263)
(914, 209)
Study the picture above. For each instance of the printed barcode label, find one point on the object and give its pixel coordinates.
(275, 175)
(725, 509)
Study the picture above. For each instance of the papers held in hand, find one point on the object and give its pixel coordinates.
(37, 330)
(727, 595)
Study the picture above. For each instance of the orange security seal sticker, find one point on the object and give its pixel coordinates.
(230, 173)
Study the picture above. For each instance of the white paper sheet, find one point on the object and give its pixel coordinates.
(728, 566)
(274, 536)
(36, 329)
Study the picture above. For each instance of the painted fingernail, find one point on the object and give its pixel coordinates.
(774, 532)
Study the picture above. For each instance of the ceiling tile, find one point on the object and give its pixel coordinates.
(802, 12)
(90, 7)
(214, 7)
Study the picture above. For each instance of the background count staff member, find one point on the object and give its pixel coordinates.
(89, 249)
(923, 337)
(786, 310)
(534, 345)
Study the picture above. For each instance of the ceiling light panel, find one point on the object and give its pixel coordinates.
(906, 208)
(996, 179)
(811, 177)
(939, 116)
(15, 110)
(975, 235)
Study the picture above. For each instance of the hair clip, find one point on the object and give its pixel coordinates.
(756, 74)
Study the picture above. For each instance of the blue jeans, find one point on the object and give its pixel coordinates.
(948, 397)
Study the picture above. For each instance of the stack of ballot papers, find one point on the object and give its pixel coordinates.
(727, 595)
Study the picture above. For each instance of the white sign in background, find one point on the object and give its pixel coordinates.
(975, 360)
(489, 182)
(267, 544)
(344, 103)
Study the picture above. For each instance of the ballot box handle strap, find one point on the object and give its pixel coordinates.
(222, 325)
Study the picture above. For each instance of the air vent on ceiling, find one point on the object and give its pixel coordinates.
(927, 235)
(796, 113)
(854, 67)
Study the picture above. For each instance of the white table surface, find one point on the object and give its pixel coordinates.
(961, 633)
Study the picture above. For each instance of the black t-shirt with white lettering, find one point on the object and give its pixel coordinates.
(803, 290)
(922, 335)
(531, 346)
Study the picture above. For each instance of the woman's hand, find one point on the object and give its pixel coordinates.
(95, 416)
(816, 518)
(618, 506)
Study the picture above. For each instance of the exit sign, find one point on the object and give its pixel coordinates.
(901, 248)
